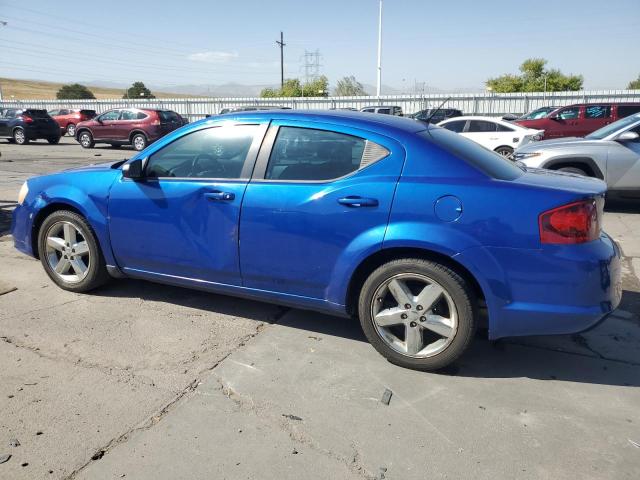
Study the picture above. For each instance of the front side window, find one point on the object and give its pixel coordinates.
(569, 113)
(457, 126)
(109, 116)
(306, 154)
(54, 112)
(385, 111)
(597, 111)
(478, 126)
(217, 152)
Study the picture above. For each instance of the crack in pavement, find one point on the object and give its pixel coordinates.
(293, 429)
(168, 407)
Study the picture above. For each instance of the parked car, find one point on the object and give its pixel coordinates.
(580, 119)
(439, 115)
(611, 153)
(541, 112)
(23, 125)
(128, 126)
(68, 118)
(384, 109)
(410, 228)
(495, 134)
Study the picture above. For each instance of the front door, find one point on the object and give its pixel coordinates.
(565, 123)
(623, 164)
(182, 219)
(104, 127)
(320, 197)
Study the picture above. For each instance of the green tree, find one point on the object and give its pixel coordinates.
(318, 88)
(293, 88)
(74, 91)
(138, 90)
(349, 87)
(634, 84)
(532, 79)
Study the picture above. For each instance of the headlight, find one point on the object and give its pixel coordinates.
(524, 155)
(24, 190)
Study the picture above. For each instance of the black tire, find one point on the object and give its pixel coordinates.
(53, 140)
(139, 142)
(71, 130)
(576, 170)
(458, 290)
(97, 271)
(85, 139)
(504, 151)
(20, 136)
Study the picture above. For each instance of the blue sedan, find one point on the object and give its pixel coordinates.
(420, 233)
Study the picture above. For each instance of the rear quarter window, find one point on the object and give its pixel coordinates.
(488, 162)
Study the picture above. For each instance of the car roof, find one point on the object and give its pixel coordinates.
(343, 117)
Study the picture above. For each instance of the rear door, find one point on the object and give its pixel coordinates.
(595, 117)
(483, 132)
(320, 196)
(127, 121)
(4, 122)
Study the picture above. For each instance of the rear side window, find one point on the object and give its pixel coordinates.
(626, 110)
(386, 111)
(457, 126)
(306, 154)
(503, 128)
(168, 116)
(128, 115)
(477, 126)
(492, 164)
(597, 111)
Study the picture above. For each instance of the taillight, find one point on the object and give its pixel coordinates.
(27, 119)
(577, 222)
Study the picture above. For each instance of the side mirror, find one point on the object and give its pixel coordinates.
(554, 117)
(99, 120)
(627, 137)
(134, 169)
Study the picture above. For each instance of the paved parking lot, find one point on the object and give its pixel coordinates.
(145, 381)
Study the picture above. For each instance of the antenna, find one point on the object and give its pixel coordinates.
(437, 110)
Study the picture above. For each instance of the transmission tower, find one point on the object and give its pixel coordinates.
(311, 65)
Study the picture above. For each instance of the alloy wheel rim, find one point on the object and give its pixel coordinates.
(71, 130)
(19, 136)
(84, 139)
(414, 315)
(138, 143)
(67, 252)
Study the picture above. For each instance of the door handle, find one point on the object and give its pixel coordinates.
(220, 196)
(355, 201)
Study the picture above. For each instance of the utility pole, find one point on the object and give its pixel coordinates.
(379, 51)
(281, 44)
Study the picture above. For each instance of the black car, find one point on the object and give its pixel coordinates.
(440, 115)
(22, 125)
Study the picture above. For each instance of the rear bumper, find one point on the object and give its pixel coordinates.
(34, 132)
(557, 289)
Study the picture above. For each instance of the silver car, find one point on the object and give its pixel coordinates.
(611, 153)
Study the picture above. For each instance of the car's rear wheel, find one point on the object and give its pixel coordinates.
(19, 136)
(70, 253)
(139, 142)
(418, 314)
(86, 139)
(504, 151)
(576, 170)
(71, 130)
(53, 140)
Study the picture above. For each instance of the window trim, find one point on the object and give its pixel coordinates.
(247, 167)
(262, 163)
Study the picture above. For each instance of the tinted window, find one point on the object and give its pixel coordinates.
(315, 155)
(10, 113)
(476, 126)
(386, 111)
(456, 126)
(217, 152)
(368, 110)
(491, 163)
(128, 115)
(64, 112)
(168, 116)
(597, 111)
(569, 113)
(54, 112)
(503, 128)
(34, 113)
(626, 110)
(108, 116)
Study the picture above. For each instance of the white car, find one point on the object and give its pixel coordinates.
(493, 133)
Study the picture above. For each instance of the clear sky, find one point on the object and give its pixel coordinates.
(454, 44)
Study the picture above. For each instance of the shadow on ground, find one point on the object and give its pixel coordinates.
(485, 359)
(622, 205)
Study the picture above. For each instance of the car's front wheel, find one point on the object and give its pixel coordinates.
(504, 151)
(19, 136)
(86, 140)
(71, 130)
(70, 253)
(418, 314)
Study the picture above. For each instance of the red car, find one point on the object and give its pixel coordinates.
(580, 119)
(128, 126)
(68, 118)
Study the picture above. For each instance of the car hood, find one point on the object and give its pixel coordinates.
(97, 166)
(556, 143)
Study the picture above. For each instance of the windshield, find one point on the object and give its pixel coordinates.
(539, 113)
(613, 127)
